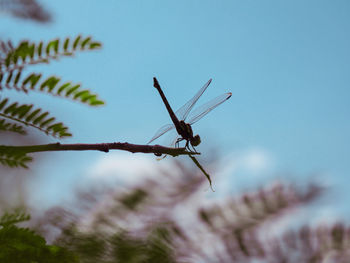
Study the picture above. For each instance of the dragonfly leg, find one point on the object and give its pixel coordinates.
(188, 147)
(194, 149)
(177, 143)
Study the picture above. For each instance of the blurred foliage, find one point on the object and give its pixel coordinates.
(167, 218)
(170, 220)
(25, 9)
(14, 159)
(18, 244)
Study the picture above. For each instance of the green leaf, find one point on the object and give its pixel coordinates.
(47, 122)
(17, 77)
(76, 42)
(18, 216)
(33, 79)
(32, 115)
(65, 45)
(81, 94)
(40, 118)
(25, 50)
(8, 59)
(95, 45)
(85, 42)
(60, 129)
(40, 49)
(14, 159)
(50, 83)
(72, 89)
(67, 89)
(11, 127)
(9, 77)
(63, 87)
(53, 45)
(24, 109)
(11, 108)
(97, 102)
(25, 114)
(90, 97)
(31, 53)
(3, 103)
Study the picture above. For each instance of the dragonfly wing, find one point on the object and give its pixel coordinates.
(203, 110)
(183, 112)
(174, 141)
(161, 131)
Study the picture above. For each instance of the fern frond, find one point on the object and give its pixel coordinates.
(322, 243)
(52, 85)
(256, 208)
(11, 79)
(29, 53)
(15, 159)
(11, 127)
(36, 118)
(15, 217)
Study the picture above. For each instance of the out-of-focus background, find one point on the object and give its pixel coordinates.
(286, 64)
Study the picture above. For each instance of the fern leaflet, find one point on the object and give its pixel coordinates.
(52, 85)
(11, 127)
(28, 53)
(15, 217)
(14, 159)
(25, 114)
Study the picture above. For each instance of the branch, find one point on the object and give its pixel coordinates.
(104, 147)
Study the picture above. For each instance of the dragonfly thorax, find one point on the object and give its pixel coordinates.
(186, 133)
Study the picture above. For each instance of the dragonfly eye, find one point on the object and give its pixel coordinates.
(196, 140)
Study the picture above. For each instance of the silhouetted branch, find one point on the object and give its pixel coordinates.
(104, 147)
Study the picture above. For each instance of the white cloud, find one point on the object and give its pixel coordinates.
(253, 161)
(242, 168)
(256, 160)
(237, 167)
(126, 167)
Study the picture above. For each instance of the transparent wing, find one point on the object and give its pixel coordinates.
(183, 112)
(161, 131)
(174, 141)
(203, 110)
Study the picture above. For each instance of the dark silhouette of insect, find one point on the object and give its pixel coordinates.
(183, 127)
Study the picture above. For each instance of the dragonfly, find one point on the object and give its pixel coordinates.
(184, 118)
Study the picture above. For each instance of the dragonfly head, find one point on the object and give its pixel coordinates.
(196, 140)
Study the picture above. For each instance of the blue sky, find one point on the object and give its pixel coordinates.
(285, 62)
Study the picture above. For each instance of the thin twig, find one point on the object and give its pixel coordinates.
(104, 147)
(203, 171)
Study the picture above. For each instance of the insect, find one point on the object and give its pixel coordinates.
(179, 118)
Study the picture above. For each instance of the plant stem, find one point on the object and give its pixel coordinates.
(104, 147)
